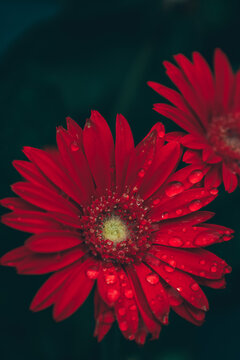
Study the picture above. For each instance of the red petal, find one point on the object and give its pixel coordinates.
(224, 81)
(142, 157)
(126, 308)
(104, 317)
(53, 242)
(17, 204)
(12, 257)
(49, 291)
(44, 198)
(52, 169)
(173, 96)
(151, 323)
(179, 117)
(182, 282)
(76, 163)
(178, 78)
(45, 263)
(123, 148)
(31, 221)
(191, 237)
(195, 261)
(213, 178)
(230, 180)
(188, 71)
(167, 162)
(194, 142)
(108, 285)
(154, 291)
(99, 149)
(205, 79)
(74, 292)
(182, 204)
(194, 315)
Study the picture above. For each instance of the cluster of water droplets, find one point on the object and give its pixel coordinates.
(125, 208)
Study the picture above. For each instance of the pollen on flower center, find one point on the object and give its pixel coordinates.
(115, 230)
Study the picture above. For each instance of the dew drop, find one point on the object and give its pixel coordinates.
(195, 205)
(128, 294)
(179, 289)
(133, 307)
(228, 269)
(202, 262)
(92, 273)
(174, 188)
(74, 146)
(179, 211)
(213, 269)
(195, 287)
(110, 279)
(113, 295)
(122, 311)
(173, 263)
(202, 274)
(152, 279)
(123, 326)
(213, 191)
(141, 173)
(175, 241)
(156, 202)
(195, 176)
(168, 269)
(165, 215)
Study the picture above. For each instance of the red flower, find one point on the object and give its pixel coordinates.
(208, 108)
(118, 216)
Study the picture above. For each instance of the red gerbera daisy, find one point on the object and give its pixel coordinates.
(118, 216)
(208, 108)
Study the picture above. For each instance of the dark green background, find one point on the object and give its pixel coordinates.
(60, 58)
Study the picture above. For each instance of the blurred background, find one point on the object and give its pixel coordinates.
(63, 58)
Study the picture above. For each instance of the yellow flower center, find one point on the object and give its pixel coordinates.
(115, 230)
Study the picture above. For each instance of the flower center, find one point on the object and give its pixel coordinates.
(114, 230)
(224, 135)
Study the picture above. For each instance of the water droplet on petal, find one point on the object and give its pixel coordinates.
(123, 326)
(168, 268)
(228, 269)
(122, 311)
(202, 262)
(113, 295)
(202, 274)
(195, 205)
(165, 215)
(156, 202)
(128, 294)
(110, 279)
(179, 289)
(175, 241)
(195, 176)
(195, 287)
(152, 279)
(213, 269)
(179, 211)
(141, 173)
(213, 191)
(133, 307)
(74, 146)
(174, 188)
(173, 263)
(92, 273)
